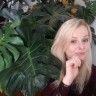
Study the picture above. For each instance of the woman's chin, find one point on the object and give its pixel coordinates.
(82, 58)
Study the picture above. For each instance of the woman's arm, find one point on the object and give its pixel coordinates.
(62, 89)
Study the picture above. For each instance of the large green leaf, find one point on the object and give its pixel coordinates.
(1, 63)
(7, 49)
(13, 51)
(33, 69)
(15, 81)
(6, 57)
(16, 40)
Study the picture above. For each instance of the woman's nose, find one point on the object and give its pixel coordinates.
(81, 45)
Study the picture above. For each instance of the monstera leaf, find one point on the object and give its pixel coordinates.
(34, 69)
(9, 40)
(8, 52)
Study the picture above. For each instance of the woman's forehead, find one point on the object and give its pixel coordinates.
(80, 31)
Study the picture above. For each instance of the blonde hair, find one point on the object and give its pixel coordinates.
(63, 35)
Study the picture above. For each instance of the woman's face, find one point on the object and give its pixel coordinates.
(79, 43)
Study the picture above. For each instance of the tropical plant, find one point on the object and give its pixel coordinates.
(31, 71)
(91, 5)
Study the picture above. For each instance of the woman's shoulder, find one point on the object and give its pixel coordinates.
(94, 72)
(94, 68)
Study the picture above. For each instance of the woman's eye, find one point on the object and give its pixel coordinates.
(73, 41)
(85, 40)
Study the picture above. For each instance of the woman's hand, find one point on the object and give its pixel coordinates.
(72, 70)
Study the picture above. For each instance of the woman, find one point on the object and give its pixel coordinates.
(72, 45)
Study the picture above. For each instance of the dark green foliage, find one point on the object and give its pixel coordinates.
(86, 14)
(91, 5)
(34, 68)
(93, 35)
(8, 50)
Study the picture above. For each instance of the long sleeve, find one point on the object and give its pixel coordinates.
(94, 80)
(52, 90)
(59, 89)
(94, 92)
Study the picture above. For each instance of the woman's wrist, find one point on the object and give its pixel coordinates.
(67, 81)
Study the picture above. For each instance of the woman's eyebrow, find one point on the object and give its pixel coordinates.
(86, 36)
(83, 36)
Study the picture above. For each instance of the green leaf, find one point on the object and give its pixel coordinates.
(1, 63)
(91, 5)
(81, 13)
(14, 51)
(4, 78)
(1, 34)
(15, 81)
(6, 57)
(39, 81)
(16, 40)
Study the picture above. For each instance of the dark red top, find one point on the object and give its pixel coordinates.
(61, 90)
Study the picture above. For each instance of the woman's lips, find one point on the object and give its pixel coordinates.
(81, 53)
